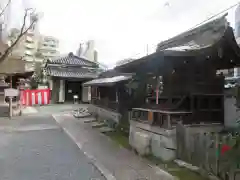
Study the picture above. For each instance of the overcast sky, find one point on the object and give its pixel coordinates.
(122, 28)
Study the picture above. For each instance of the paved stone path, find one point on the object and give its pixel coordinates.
(114, 161)
(36, 148)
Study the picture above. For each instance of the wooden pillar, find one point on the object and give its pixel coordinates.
(10, 78)
(168, 121)
(99, 95)
(10, 100)
(62, 91)
(157, 89)
(116, 89)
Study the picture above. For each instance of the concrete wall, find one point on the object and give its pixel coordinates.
(160, 142)
(55, 91)
(231, 112)
(86, 94)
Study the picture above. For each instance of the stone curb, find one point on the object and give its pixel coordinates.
(104, 171)
(8, 128)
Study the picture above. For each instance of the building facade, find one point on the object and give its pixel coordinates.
(87, 50)
(66, 74)
(26, 49)
(47, 47)
(33, 48)
(175, 85)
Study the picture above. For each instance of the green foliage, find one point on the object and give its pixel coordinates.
(124, 123)
(180, 172)
(119, 138)
(37, 77)
(233, 154)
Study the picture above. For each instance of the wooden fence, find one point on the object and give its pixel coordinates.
(214, 152)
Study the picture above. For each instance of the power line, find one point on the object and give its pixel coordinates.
(215, 15)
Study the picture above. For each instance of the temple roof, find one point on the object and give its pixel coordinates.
(71, 59)
(107, 81)
(71, 72)
(213, 41)
(202, 36)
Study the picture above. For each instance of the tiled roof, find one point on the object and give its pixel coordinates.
(201, 36)
(107, 81)
(209, 39)
(71, 59)
(71, 72)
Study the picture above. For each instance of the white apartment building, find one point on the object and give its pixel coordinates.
(33, 48)
(47, 47)
(26, 49)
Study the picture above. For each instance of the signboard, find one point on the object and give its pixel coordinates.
(42, 87)
(10, 92)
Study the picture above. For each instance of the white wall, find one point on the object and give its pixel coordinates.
(86, 94)
(62, 91)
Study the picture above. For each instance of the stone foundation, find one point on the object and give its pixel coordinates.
(104, 113)
(160, 142)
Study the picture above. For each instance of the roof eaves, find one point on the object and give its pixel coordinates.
(181, 38)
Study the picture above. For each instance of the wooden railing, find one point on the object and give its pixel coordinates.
(105, 103)
(217, 153)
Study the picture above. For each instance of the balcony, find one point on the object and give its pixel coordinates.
(50, 40)
(28, 58)
(29, 39)
(38, 59)
(30, 45)
(29, 53)
(48, 47)
(49, 54)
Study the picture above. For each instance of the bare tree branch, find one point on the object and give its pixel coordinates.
(23, 31)
(4, 9)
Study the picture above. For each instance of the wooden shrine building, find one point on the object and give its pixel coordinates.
(178, 82)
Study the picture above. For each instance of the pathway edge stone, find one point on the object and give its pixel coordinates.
(104, 171)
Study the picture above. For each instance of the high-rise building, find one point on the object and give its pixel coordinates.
(25, 53)
(87, 50)
(34, 48)
(48, 47)
(25, 50)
